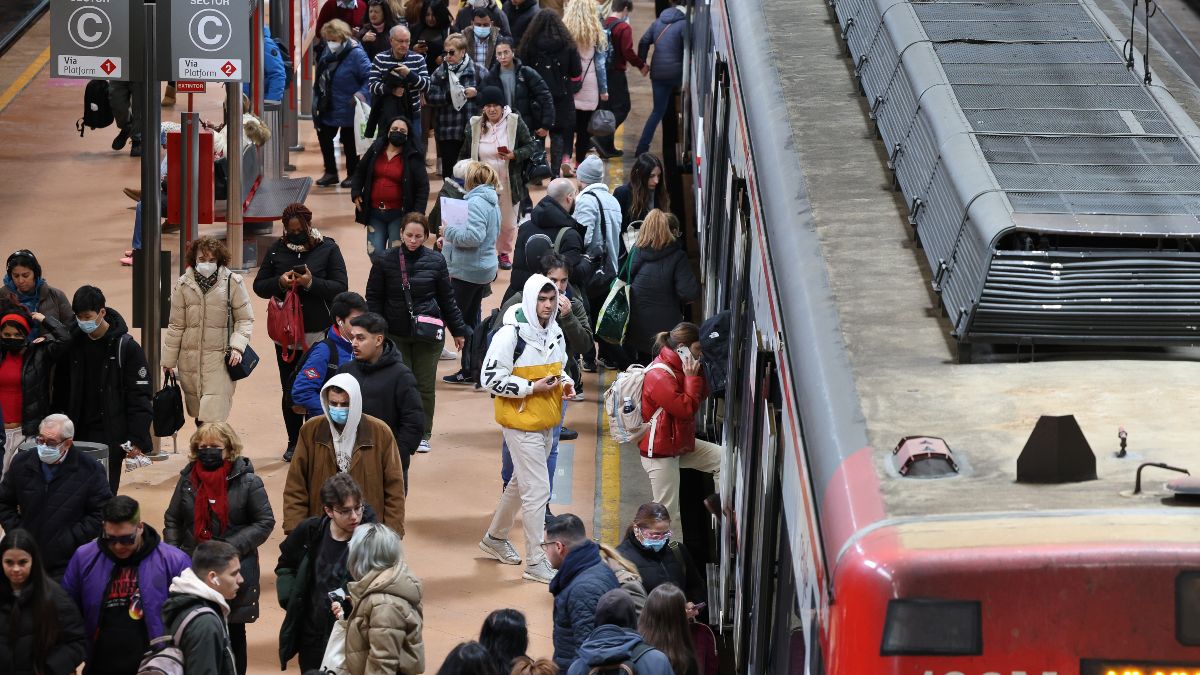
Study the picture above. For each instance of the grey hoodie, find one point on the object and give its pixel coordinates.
(613, 644)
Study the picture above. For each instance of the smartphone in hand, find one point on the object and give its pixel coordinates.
(503, 149)
(300, 269)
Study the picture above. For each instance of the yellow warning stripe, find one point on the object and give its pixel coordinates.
(610, 476)
(24, 78)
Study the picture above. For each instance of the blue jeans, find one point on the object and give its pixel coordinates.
(662, 98)
(383, 229)
(506, 463)
(137, 228)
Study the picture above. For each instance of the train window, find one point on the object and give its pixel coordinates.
(1187, 608)
(929, 627)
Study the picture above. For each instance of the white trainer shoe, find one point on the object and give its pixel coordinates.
(448, 355)
(500, 549)
(541, 572)
(424, 447)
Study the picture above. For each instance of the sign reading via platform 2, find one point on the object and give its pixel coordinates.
(210, 39)
(90, 39)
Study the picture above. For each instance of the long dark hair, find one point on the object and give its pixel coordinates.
(505, 636)
(45, 615)
(441, 14)
(389, 19)
(468, 658)
(639, 176)
(542, 23)
(664, 626)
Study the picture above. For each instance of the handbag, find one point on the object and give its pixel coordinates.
(614, 313)
(536, 167)
(603, 123)
(334, 660)
(167, 407)
(424, 327)
(249, 357)
(285, 325)
(600, 281)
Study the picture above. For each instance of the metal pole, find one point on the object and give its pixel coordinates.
(151, 205)
(306, 84)
(190, 161)
(256, 61)
(233, 153)
(290, 126)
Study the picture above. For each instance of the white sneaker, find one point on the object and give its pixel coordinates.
(578, 396)
(541, 572)
(500, 549)
(448, 355)
(424, 447)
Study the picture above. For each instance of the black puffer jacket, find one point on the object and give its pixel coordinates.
(389, 392)
(557, 61)
(416, 179)
(430, 283)
(549, 218)
(17, 635)
(62, 514)
(250, 523)
(662, 280)
(329, 278)
(127, 412)
(673, 565)
(531, 97)
(519, 16)
(36, 370)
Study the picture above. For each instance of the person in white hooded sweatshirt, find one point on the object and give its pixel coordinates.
(524, 370)
(344, 440)
(196, 613)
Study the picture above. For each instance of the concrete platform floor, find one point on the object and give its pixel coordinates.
(60, 195)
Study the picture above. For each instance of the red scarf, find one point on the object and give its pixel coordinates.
(212, 500)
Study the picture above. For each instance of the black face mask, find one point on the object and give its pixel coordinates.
(397, 138)
(297, 238)
(210, 458)
(12, 344)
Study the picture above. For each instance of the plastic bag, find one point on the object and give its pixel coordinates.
(362, 112)
(335, 650)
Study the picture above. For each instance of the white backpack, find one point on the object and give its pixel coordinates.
(623, 405)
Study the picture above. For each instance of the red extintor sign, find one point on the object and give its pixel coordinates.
(184, 87)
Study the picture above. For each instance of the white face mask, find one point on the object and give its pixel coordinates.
(335, 47)
(206, 269)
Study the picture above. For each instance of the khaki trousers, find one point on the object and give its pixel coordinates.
(527, 492)
(664, 477)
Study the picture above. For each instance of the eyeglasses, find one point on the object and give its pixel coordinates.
(655, 536)
(124, 539)
(50, 443)
(451, 52)
(544, 544)
(345, 512)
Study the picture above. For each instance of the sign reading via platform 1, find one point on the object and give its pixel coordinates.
(210, 39)
(90, 39)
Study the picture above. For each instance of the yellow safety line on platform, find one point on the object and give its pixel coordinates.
(24, 78)
(610, 478)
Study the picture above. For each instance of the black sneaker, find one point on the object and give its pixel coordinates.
(568, 434)
(457, 378)
(588, 365)
(287, 454)
(135, 150)
(327, 180)
(121, 139)
(606, 364)
(347, 183)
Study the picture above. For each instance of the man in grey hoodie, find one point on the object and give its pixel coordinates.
(197, 609)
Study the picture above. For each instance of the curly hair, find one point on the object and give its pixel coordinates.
(299, 212)
(211, 245)
(584, 25)
(220, 432)
(543, 24)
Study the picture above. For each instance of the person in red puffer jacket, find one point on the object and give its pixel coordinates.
(674, 394)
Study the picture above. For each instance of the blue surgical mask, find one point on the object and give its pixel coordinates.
(482, 32)
(655, 544)
(48, 454)
(339, 415)
(88, 327)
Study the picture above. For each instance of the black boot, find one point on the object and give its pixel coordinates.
(327, 180)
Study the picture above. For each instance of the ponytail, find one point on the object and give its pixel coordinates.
(685, 334)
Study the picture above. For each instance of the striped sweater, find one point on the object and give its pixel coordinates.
(383, 80)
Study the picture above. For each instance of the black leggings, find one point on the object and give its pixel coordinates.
(583, 140)
(447, 151)
(291, 420)
(325, 136)
(237, 644)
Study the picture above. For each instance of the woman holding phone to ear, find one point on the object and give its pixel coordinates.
(672, 391)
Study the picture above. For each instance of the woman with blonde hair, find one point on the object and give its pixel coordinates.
(383, 630)
(210, 325)
(219, 497)
(583, 23)
(470, 249)
(662, 280)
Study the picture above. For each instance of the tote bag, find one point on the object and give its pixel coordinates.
(614, 313)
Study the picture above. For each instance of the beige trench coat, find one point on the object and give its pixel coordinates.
(198, 337)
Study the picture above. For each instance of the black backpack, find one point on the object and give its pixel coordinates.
(477, 345)
(97, 113)
(289, 64)
(626, 667)
(714, 343)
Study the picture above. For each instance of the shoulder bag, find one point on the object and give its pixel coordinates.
(249, 357)
(614, 313)
(424, 327)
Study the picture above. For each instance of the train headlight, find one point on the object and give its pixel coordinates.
(920, 627)
(1187, 608)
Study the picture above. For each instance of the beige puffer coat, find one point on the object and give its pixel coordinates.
(199, 336)
(383, 631)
